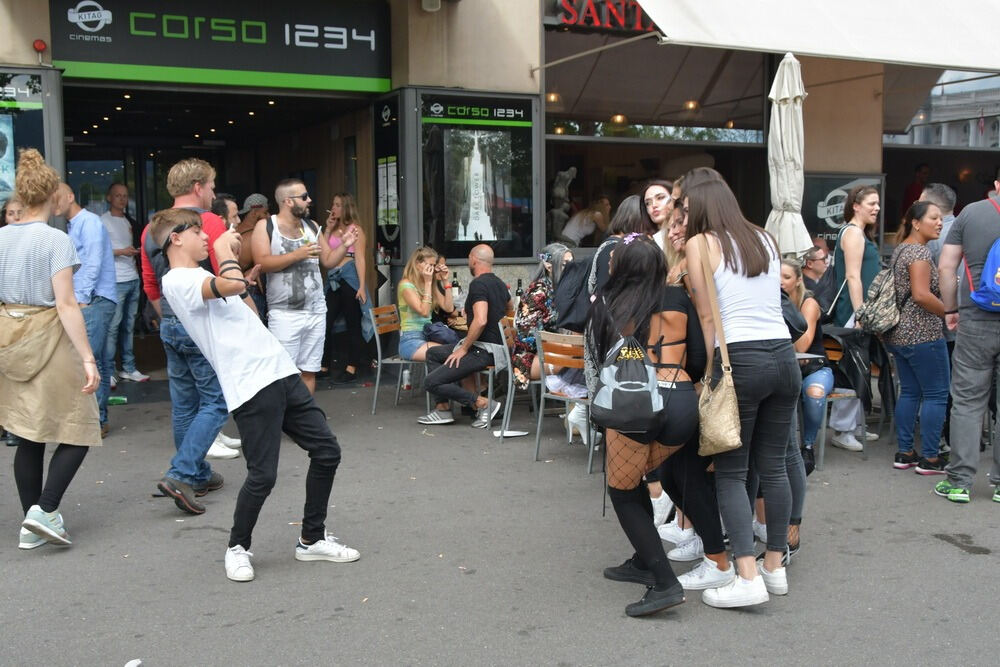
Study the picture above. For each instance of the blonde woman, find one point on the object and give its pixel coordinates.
(347, 296)
(40, 396)
(420, 292)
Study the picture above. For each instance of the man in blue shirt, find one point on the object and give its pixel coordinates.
(93, 283)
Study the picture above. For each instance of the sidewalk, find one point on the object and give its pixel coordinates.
(473, 554)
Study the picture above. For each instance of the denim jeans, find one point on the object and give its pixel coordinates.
(198, 408)
(812, 408)
(923, 371)
(768, 381)
(97, 318)
(123, 324)
(974, 365)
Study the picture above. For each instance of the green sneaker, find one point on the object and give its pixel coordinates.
(955, 494)
(996, 494)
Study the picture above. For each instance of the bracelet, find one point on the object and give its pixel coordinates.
(446, 286)
(229, 268)
(228, 261)
(950, 312)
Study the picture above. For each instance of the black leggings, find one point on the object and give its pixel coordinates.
(29, 464)
(344, 301)
(692, 489)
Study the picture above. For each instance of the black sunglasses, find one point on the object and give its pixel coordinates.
(304, 196)
(183, 227)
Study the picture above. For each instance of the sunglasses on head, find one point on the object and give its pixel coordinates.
(183, 227)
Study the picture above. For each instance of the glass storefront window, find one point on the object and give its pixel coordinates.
(477, 174)
(21, 123)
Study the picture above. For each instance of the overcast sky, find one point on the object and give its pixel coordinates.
(955, 75)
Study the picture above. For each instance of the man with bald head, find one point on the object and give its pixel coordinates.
(447, 365)
(94, 284)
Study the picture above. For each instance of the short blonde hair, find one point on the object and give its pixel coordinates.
(35, 181)
(166, 221)
(183, 176)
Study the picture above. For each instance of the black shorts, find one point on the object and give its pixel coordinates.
(680, 415)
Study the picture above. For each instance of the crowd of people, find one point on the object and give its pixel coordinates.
(248, 302)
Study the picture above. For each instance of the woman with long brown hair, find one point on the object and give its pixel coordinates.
(45, 356)
(744, 262)
(347, 295)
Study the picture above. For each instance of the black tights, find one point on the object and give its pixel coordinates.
(635, 514)
(29, 463)
(684, 479)
(344, 301)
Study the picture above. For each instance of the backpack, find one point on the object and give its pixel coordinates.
(571, 299)
(627, 398)
(987, 297)
(880, 311)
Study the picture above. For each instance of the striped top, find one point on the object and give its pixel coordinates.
(30, 254)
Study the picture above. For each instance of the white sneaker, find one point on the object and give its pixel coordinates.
(760, 531)
(134, 376)
(776, 582)
(232, 443)
(220, 451)
(871, 437)
(692, 549)
(739, 592)
(846, 440)
(437, 417)
(661, 508)
(326, 549)
(238, 567)
(28, 540)
(671, 532)
(706, 574)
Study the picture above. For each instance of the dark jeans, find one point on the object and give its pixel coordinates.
(97, 318)
(442, 381)
(344, 301)
(768, 381)
(284, 406)
(684, 479)
(29, 465)
(924, 381)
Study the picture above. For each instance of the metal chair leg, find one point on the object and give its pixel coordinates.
(538, 428)
(399, 383)
(821, 436)
(590, 443)
(508, 406)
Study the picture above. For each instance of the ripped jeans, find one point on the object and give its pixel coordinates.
(812, 408)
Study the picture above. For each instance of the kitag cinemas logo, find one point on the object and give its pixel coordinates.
(91, 18)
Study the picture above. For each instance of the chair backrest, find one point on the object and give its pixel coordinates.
(560, 349)
(834, 351)
(507, 331)
(385, 319)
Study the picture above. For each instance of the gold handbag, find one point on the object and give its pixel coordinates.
(718, 409)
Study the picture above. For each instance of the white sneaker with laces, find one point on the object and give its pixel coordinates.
(706, 574)
(326, 549)
(220, 451)
(846, 440)
(232, 443)
(238, 567)
(134, 376)
(760, 531)
(661, 508)
(776, 582)
(692, 549)
(739, 592)
(672, 532)
(437, 417)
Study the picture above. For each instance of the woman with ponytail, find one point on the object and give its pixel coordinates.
(45, 357)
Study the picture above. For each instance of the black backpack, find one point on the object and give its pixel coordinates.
(572, 300)
(627, 398)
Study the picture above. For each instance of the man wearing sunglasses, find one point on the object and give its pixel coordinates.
(287, 248)
(816, 278)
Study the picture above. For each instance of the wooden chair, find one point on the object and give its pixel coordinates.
(385, 319)
(564, 350)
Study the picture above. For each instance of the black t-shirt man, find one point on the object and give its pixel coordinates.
(487, 287)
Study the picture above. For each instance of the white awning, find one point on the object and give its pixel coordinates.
(961, 35)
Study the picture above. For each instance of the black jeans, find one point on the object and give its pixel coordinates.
(685, 480)
(283, 406)
(442, 381)
(768, 382)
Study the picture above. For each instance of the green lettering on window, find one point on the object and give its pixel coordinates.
(261, 27)
(132, 16)
(223, 30)
(183, 20)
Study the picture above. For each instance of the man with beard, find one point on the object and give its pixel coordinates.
(287, 248)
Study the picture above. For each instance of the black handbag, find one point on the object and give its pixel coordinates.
(794, 319)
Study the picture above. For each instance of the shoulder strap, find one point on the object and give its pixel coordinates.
(270, 227)
(312, 225)
(993, 201)
(713, 298)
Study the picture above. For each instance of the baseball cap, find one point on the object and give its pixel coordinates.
(256, 200)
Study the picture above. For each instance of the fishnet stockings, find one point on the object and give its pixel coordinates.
(629, 460)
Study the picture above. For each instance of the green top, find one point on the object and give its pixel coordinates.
(408, 319)
(871, 264)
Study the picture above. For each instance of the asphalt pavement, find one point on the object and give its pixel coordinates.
(472, 553)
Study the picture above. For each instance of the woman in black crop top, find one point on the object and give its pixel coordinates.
(624, 306)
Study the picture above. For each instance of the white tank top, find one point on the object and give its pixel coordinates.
(751, 307)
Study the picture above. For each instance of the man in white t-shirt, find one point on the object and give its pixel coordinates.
(260, 382)
(287, 248)
(119, 228)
